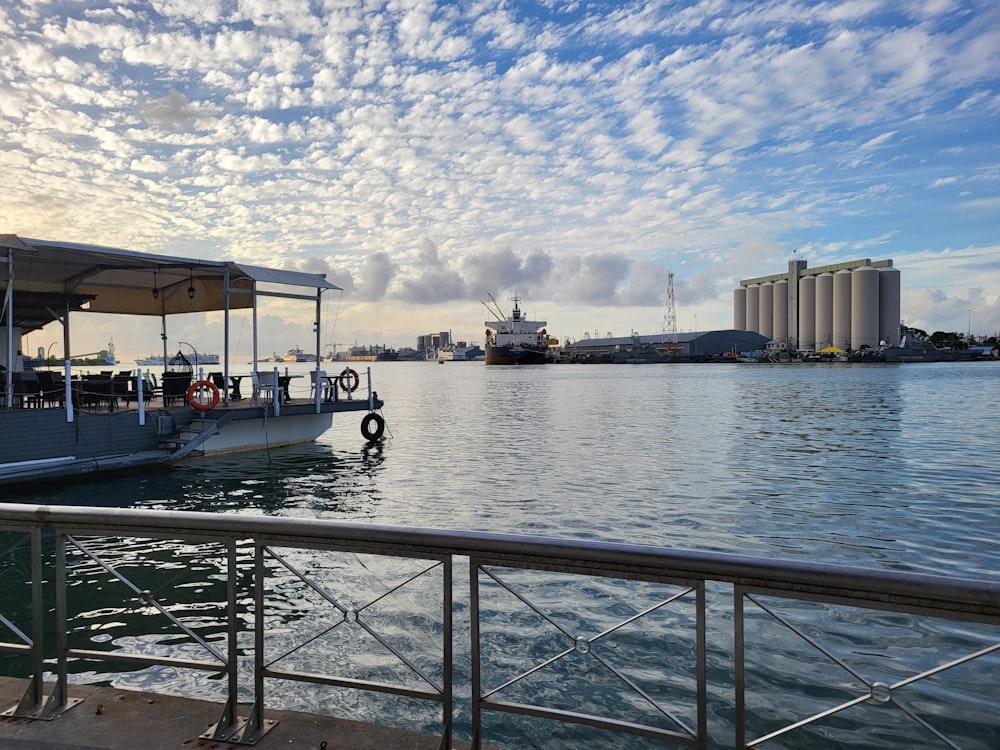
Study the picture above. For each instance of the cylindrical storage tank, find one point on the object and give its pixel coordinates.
(842, 309)
(888, 306)
(824, 311)
(740, 308)
(807, 313)
(766, 302)
(780, 310)
(753, 308)
(864, 308)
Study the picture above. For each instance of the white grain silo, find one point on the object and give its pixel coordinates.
(740, 308)
(807, 314)
(766, 303)
(753, 307)
(842, 309)
(824, 310)
(888, 305)
(780, 310)
(864, 307)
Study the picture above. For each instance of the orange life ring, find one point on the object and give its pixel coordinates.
(194, 394)
(349, 376)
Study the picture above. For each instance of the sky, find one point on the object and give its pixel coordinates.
(428, 155)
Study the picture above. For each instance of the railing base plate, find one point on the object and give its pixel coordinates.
(238, 734)
(44, 712)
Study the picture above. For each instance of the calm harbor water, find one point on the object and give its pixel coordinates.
(872, 465)
(881, 466)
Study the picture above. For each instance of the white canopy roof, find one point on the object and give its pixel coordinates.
(50, 274)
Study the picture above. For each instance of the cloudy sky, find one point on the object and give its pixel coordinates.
(425, 155)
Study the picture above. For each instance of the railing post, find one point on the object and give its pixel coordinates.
(140, 396)
(447, 655)
(276, 394)
(231, 727)
(702, 668)
(33, 704)
(475, 673)
(259, 574)
(68, 386)
(739, 717)
(60, 701)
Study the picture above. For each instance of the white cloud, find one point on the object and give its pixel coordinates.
(942, 181)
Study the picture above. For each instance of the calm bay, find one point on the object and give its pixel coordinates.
(890, 466)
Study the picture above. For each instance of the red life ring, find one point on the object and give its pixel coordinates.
(349, 380)
(194, 395)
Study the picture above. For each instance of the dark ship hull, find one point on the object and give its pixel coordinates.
(514, 355)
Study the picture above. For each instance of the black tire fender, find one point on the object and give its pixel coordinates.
(372, 427)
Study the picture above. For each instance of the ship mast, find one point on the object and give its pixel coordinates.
(495, 310)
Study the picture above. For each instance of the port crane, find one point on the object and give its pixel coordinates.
(107, 354)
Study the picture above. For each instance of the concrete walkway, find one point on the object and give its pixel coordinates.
(111, 719)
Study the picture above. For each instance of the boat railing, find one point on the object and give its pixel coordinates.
(690, 648)
(77, 393)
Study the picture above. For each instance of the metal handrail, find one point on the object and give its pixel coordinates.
(902, 589)
(951, 598)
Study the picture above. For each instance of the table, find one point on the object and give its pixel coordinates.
(234, 389)
(283, 381)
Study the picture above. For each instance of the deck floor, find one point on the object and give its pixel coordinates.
(112, 719)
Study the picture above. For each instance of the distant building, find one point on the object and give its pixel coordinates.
(849, 306)
(431, 342)
(688, 345)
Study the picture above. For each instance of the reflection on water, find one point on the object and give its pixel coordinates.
(313, 479)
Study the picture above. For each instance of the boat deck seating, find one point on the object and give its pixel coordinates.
(95, 393)
(51, 388)
(26, 391)
(264, 382)
(174, 388)
(325, 383)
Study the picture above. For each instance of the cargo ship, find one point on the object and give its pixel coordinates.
(197, 359)
(513, 340)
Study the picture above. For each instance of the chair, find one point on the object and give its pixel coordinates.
(262, 383)
(220, 382)
(324, 381)
(50, 388)
(26, 389)
(150, 388)
(95, 391)
(175, 385)
(123, 388)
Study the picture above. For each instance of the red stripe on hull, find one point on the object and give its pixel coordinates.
(505, 356)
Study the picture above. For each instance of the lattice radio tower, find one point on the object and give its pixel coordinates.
(670, 311)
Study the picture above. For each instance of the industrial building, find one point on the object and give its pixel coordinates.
(849, 306)
(683, 346)
(433, 341)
